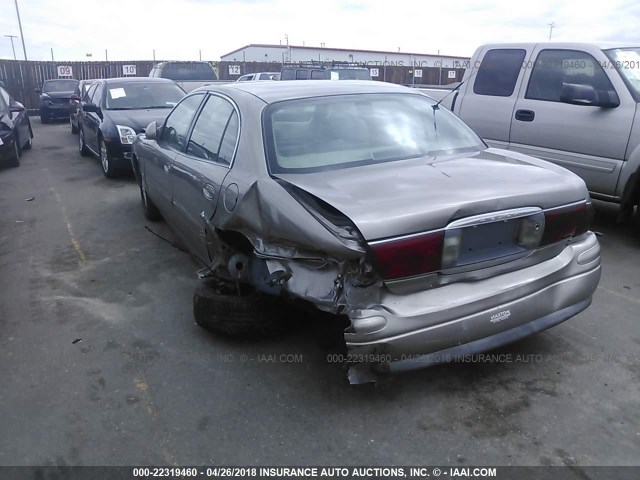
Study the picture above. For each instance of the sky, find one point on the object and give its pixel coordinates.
(180, 29)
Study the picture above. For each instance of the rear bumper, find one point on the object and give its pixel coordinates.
(436, 326)
(55, 111)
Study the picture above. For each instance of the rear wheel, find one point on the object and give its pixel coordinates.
(74, 127)
(43, 117)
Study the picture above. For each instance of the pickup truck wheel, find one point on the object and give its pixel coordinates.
(250, 314)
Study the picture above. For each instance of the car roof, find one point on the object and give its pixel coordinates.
(270, 92)
(137, 79)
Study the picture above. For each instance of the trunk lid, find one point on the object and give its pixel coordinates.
(404, 197)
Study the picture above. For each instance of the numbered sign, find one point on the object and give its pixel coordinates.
(65, 71)
(451, 74)
(417, 73)
(128, 70)
(234, 69)
(374, 72)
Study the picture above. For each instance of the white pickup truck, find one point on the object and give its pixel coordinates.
(573, 104)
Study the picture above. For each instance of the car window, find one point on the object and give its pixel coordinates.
(89, 93)
(318, 75)
(287, 74)
(554, 68)
(142, 95)
(96, 98)
(179, 120)
(209, 128)
(228, 145)
(499, 72)
(302, 74)
(59, 86)
(341, 131)
(4, 100)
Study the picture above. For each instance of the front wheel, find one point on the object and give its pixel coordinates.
(82, 146)
(149, 208)
(15, 161)
(107, 167)
(29, 144)
(74, 126)
(43, 117)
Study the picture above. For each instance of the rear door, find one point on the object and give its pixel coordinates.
(588, 140)
(173, 138)
(199, 172)
(487, 104)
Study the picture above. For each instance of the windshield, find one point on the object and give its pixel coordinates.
(59, 86)
(350, 74)
(327, 133)
(139, 95)
(627, 61)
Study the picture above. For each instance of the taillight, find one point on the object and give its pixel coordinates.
(565, 222)
(409, 256)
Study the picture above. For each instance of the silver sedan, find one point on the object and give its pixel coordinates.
(370, 201)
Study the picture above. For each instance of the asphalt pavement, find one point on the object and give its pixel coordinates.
(102, 363)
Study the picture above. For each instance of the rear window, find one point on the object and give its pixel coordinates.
(499, 72)
(351, 74)
(327, 133)
(60, 85)
(188, 71)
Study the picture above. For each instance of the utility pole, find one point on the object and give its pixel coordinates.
(200, 52)
(24, 49)
(106, 56)
(551, 27)
(52, 55)
(154, 54)
(12, 47)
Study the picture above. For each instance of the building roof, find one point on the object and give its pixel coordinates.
(264, 45)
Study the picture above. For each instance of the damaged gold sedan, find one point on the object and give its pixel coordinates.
(370, 201)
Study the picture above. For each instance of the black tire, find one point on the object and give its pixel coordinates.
(15, 160)
(82, 146)
(107, 167)
(44, 118)
(74, 127)
(251, 314)
(29, 144)
(149, 208)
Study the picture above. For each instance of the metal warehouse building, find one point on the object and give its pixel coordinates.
(297, 53)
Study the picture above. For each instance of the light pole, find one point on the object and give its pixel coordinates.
(12, 47)
(551, 27)
(24, 49)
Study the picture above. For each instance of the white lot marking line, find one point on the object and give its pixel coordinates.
(74, 240)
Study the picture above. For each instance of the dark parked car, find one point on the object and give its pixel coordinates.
(321, 72)
(15, 130)
(76, 98)
(115, 110)
(367, 200)
(55, 96)
(189, 75)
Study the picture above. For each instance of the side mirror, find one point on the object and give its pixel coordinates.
(578, 94)
(91, 107)
(75, 97)
(16, 107)
(151, 132)
(37, 90)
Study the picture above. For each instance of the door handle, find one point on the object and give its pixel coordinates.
(525, 115)
(209, 192)
(167, 167)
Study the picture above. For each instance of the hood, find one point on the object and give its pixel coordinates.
(416, 195)
(57, 94)
(137, 119)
